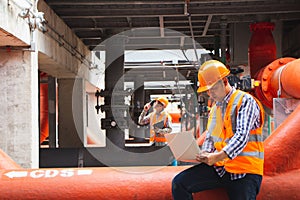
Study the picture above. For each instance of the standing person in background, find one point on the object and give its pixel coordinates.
(232, 155)
(160, 121)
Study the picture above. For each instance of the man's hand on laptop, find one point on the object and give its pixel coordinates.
(211, 158)
(202, 157)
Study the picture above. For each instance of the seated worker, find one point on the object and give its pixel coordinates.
(232, 154)
(153, 118)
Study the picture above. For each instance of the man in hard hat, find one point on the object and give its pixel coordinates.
(160, 121)
(232, 155)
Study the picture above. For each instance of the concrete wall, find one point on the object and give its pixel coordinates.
(19, 107)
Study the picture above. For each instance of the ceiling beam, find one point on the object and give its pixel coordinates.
(207, 24)
(161, 26)
(131, 2)
(139, 11)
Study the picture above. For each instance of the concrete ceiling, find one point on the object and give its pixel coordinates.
(93, 21)
(167, 24)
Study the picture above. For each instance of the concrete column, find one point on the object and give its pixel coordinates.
(138, 97)
(138, 103)
(19, 127)
(223, 42)
(114, 83)
(52, 112)
(240, 44)
(71, 112)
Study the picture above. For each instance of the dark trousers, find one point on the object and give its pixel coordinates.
(203, 177)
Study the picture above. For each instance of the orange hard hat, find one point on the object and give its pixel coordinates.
(210, 73)
(163, 100)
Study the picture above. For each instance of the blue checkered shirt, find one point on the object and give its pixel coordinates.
(248, 118)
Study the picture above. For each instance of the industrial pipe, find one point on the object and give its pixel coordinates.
(139, 183)
(281, 180)
(6, 162)
(282, 146)
(279, 79)
(89, 183)
(289, 76)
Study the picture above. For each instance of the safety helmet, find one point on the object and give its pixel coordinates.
(210, 73)
(163, 100)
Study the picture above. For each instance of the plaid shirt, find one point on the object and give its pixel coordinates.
(248, 118)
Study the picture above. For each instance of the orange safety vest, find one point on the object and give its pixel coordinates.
(251, 159)
(154, 119)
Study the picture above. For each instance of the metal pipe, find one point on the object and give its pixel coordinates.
(281, 75)
(288, 79)
(281, 147)
(140, 183)
(6, 162)
(89, 183)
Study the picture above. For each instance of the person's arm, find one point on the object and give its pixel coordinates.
(167, 129)
(144, 118)
(208, 144)
(248, 118)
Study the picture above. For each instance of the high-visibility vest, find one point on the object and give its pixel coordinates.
(251, 159)
(163, 116)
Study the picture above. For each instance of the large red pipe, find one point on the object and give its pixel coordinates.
(6, 162)
(282, 146)
(89, 183)
(139, 183)
(289, 76)
(285, 71)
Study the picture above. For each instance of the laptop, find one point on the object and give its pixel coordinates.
(183, 146)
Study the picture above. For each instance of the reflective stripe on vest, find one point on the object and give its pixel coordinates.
(250, 160)
(153, 119)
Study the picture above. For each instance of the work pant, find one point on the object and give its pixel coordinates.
(203, 177)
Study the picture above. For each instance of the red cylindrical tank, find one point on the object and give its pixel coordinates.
(262, 47)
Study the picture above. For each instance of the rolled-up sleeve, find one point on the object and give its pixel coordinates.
(208, 144)
(144, 119)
